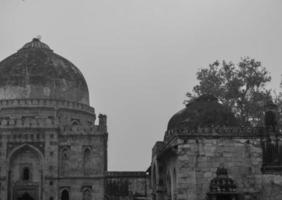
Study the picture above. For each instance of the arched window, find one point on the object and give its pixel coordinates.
(65, 155)
(26, 196)
(75, 122)
(87, 154)
(65, 160)
(26, 174)
(87, 195)
(87, 161)
(173, 185)
(154, 176)
(65, 195)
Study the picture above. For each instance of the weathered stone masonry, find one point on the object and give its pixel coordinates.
(249, 160)
(51, 147)
(51, 138)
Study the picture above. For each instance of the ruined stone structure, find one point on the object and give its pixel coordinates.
(51, 147)
(207, 155)
(128, 186)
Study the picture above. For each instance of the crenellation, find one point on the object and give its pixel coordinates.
(57, 104)
(239, 132)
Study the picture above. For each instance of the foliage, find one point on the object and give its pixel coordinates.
(241, 87)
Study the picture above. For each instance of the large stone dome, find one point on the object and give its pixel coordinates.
(204, 111)
(36, 72)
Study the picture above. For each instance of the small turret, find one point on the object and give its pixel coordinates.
(103, 122)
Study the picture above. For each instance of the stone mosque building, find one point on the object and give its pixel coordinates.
(52, 148)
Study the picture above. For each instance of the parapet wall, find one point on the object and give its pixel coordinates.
(123, 174)
(127, 185)
(49, 113)
(53, 103)
(242, 132)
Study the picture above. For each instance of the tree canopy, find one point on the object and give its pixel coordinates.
(240, 86)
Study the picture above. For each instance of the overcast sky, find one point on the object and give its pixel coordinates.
(140, 57)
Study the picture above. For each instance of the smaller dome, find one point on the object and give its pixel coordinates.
(204, 111)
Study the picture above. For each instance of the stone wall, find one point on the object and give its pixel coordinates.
(50, 127)
(199, 158)
(271, 187)
(127, 186)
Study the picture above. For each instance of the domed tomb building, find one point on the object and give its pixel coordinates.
(51, 146)
(207, 155)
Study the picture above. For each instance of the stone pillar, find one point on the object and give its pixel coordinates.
(186, 173)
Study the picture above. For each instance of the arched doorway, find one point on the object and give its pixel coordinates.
(87, 195)
(25, 196)
(25, 173)
(65, 195)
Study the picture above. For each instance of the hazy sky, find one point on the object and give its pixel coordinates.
(140, 57)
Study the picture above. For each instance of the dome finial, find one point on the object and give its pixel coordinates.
(37, 38)
(36, 44)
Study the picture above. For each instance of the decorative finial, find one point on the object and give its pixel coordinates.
(38, 37)
(36, 43)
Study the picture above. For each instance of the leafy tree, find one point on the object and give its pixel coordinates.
(241, 87)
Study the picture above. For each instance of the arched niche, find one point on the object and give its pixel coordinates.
(87, 194)
(65, 162)
(173, 184)
(65, 195)
(155, 181)
(25, 172)
(87, 162)
(155, 175)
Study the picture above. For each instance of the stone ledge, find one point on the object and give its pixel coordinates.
(214, 132)
(76, 177)
(117, 174)
(57, 103)
(271, 169)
